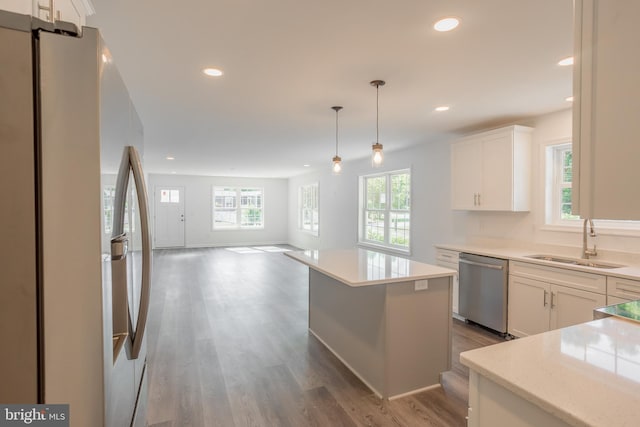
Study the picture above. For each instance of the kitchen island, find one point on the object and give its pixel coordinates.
(582, 375)
(387, 318)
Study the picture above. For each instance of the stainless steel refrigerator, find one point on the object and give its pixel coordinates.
(75, 249)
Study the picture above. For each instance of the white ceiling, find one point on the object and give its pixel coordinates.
(286, 62)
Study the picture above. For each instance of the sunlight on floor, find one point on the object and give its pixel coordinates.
(257, 249)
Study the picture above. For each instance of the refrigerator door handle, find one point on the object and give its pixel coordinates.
(141, 191)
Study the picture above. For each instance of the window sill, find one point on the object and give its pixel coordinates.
(600, 229)
(383, 248)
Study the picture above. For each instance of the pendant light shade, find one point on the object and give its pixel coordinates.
(377, 157)
(337, 161)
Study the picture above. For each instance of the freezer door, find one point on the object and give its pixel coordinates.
(18, 248)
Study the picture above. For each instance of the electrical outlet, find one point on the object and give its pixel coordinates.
(421, 285)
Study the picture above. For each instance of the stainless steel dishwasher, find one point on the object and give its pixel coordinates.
(483, 290)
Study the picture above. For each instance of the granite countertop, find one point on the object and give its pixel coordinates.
(518, 254)
(363, 267)
(586, 375)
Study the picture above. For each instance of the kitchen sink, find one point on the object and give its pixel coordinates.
(575, 261)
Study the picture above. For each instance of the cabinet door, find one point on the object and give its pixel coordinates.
(528, 306)
(606, 105)
(572, 306)
(497, 173)
(466, 174)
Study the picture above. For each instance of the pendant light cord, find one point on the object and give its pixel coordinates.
(337, 132)
(377, 112)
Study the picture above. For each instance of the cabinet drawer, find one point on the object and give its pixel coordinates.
(623, 288)
(447, 264)
(560, 276)
(446, 255)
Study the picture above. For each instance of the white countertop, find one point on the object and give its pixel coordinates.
(518, 254)
(362, 267)
(586, 375)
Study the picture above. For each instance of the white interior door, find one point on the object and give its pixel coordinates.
(169, 217)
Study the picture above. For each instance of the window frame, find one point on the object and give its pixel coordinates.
(388, 211)
(237, 207)
(313, 210)
(555, 155)
(552, 175)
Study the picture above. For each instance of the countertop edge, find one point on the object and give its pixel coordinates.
(517, 254)
(445, 272)
(543, 404)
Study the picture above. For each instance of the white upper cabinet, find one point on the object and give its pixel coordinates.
(606, 128)
(74, 11)
(491, 171)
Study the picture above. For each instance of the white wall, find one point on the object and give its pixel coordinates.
(198, 209)
(431, 218)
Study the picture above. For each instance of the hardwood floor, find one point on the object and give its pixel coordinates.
(228, 346)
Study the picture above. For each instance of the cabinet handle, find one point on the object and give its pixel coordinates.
(544, 299)
(475, 199)
(479, 203)
(552, 295)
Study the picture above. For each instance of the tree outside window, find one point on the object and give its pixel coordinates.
(386, 210)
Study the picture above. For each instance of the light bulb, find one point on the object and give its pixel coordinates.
(377, 156)
(337, 165)
(337, 168)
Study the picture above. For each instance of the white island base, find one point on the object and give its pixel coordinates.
(394, 333)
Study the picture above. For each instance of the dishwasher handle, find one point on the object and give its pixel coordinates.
(481, 264)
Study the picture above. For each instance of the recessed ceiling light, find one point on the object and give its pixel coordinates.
(569, 99)
(442, 108)
(170, 158)
(306, 166)
(446, 24)
(173, 172)
(213, 72)
(566, 61)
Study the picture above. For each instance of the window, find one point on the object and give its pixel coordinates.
(385, 217)
(559, 163)
(108, 204)
(169, 196)
(308, 216)
(238, 208)
(108, 198)
(561, 159)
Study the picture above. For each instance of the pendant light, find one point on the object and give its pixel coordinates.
(376, 156)
(337, 161)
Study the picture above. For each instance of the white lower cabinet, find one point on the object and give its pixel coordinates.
(622, 290)
(616, 300)
(540, 300)
(528, 307)
(572, 306)
(449, 259)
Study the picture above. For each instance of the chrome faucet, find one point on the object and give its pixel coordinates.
(586, 252)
